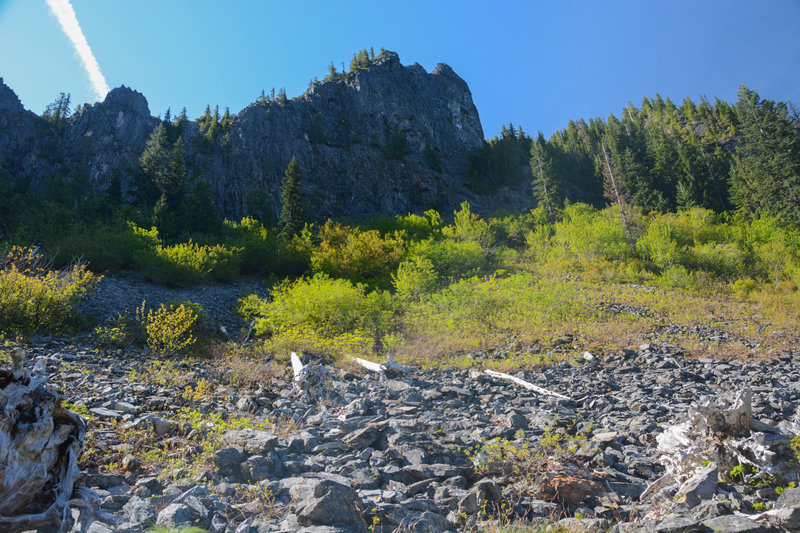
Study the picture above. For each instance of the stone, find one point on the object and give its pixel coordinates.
(788, 498)
(229, 456)
(788, 517)
(329, 503)
(140, 511)
(701, 486)
(257, 468)
(428, 522)
(175, 515)
(735, 524)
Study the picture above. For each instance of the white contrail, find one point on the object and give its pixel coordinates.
(63, 11)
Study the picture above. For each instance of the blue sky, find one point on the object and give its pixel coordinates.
(535, 63)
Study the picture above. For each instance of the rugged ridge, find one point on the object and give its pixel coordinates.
(341, 132)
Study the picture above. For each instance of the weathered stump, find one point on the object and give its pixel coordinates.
(40, 443)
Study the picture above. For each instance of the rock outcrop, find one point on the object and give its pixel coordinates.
(386, 139)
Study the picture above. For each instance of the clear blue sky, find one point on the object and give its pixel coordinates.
(536, 63)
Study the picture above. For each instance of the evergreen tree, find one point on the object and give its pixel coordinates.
(155, 158)
(545, 189)
(766, 172)
(58, 111)
(199, 211)
(292, 212)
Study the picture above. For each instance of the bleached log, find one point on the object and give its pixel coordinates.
(389, 367)
(40, 443)
(309, 380)
(369, 365)
(297, 365)
(525, 384)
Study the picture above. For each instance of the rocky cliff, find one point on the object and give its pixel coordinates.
(387, 139)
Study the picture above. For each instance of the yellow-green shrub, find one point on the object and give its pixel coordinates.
(311, 311)
(414, 277)
(185, 263)
(169, 328)
(35, 300)
(453, 260)
(348, 252)
(658, 244)
(587, 233)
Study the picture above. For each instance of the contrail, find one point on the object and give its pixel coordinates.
(63, 11)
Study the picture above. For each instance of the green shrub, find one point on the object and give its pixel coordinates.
(468, 227)
(169, 328)
(468, 314)
(677, 277)
(36, 300)
(260, 249)
(587, 233)
(414, 277)
(658, 244)
(452, 260)
(186, 263)
(308, 312)
(120, 331)
(350, 253)
(725, 259)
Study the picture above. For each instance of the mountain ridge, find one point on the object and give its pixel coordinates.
(384, 139)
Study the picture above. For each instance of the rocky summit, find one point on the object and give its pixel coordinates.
(385, 139)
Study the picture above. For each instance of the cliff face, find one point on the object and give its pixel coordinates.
(388, 139)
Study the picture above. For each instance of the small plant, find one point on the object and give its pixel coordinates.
(169, 329)
(120, 331)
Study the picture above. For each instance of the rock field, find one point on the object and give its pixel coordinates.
(414, 452)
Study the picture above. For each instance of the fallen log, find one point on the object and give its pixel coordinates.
(309, 380)
(387, 368)
(525, 384)
(40, 443)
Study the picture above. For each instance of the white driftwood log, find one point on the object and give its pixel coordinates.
(309, 380)
(389, 367)
(40, 442)
(525, 384)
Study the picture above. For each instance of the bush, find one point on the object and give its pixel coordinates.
(677, 277)
(468, 227)
(414, 277)
(350, 253)
(34, 299)
(452, 260)
(169, 328)
(587, 233)
(260, 250)
(186, 263)
(468, 314)
(658, 243)
(120, 332)
(310, 312)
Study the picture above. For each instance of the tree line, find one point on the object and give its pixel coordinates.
(660, 157)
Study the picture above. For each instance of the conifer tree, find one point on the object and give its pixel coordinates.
(544, 185)
(766, 172)
(292, 212)
(154, 160)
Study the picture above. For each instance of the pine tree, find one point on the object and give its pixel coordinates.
(292, 212)
(765, 175)
(58, 111)
(544, 185)
(155, 160)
